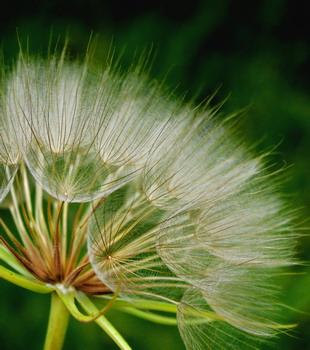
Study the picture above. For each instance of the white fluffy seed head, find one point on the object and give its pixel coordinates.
(198, 165)
(82, 138)
(122, 248)
(200, 329)
(10, 154)
(179, 205)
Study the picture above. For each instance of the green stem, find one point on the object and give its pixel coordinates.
(24, 282)
(149, 305)
(164, 320)
(154, 305)
(143, 304)
(57, 324)
(102, 322)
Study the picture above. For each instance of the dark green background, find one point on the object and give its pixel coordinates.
(255, 52)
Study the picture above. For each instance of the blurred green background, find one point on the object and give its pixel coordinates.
(255, 53)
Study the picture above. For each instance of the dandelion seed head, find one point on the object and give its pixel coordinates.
(172, 205)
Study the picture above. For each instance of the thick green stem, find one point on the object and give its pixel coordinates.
(57, 324)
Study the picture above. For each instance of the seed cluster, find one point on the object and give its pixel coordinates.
(117, 187)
